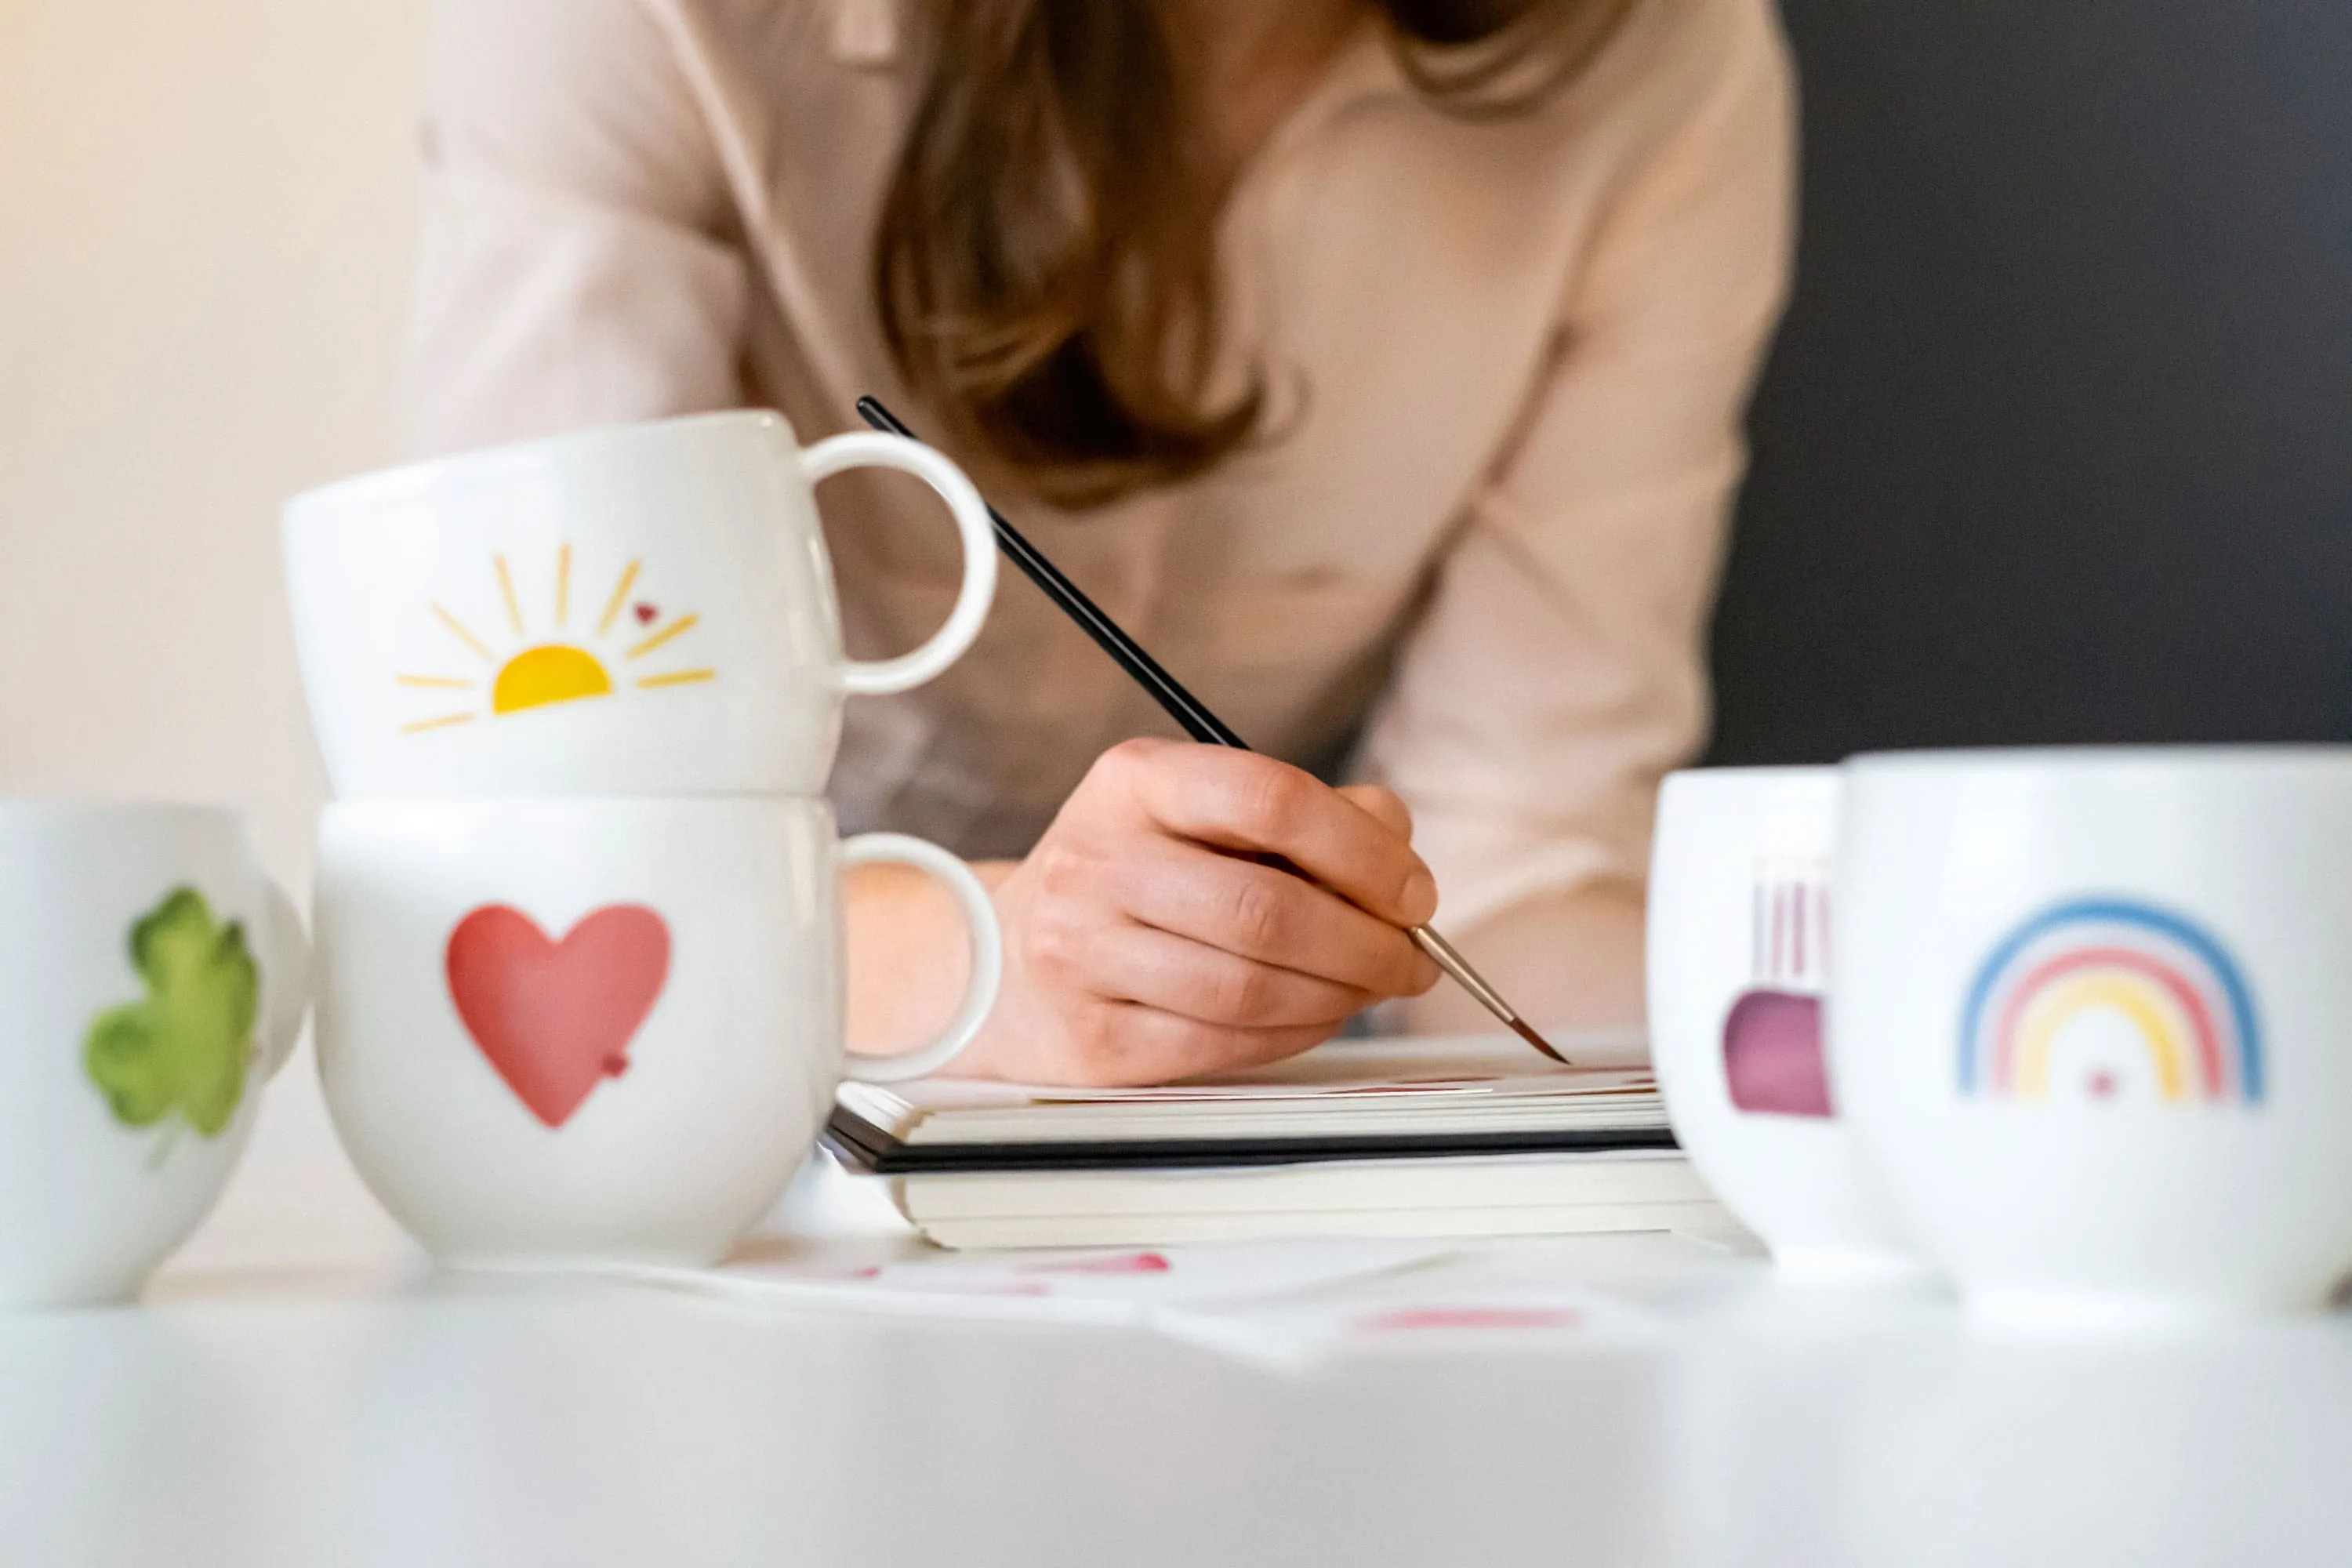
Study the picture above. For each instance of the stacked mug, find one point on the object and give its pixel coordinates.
(580, 949)
(2067, 1027)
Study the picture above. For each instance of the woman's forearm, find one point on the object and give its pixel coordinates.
(908, 956)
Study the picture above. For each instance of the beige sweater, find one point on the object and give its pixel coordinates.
(1517, 355)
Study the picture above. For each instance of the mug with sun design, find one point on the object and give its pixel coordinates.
(645, 609)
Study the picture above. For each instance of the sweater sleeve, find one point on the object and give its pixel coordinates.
(577, 264)
(1558, 669)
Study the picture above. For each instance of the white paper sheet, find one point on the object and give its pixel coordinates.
(1114, 1286)
(1421, 1315)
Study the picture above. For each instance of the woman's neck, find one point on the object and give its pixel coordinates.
(1242, 66)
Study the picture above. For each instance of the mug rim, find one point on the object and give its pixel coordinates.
(304, 508)
(1682, 781)
(2082, 760)
(36, 811)
(382, 810)
(1755, 770)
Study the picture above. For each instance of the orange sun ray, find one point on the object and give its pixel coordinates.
(620, 595)
(440, 682)
(678, 627)
(443, 722)
(506, 590)
(468, 638)
(677, 678)
(562, 583)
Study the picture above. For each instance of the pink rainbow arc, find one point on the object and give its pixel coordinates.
(2192, 1002)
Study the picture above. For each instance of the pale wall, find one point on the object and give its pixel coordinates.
(205, 215)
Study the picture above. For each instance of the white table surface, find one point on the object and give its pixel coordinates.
(297, 1390)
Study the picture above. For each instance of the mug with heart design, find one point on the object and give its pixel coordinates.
(644, 609)
(155, 979)
(1739, 958)
(596, 1030)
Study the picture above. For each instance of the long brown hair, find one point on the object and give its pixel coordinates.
(1045, 261)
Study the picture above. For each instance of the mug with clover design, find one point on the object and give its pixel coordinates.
(643, 609)
(154, 980)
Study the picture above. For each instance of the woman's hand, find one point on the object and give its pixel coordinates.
(1145, 937)
(1144, 943)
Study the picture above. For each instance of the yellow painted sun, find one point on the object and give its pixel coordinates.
(551, 672)
(525, 670)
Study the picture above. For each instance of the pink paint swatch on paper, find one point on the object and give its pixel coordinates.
(1122, 1263)
(1489, 1317)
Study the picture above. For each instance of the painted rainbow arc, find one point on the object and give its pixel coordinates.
(2165, 977)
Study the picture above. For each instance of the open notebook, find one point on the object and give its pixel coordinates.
(1410, 1136)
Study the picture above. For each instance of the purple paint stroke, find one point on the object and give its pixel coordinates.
(1772, 1059)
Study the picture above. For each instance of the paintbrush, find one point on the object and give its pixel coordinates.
(1189, 711)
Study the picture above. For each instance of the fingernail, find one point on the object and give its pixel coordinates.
(1420, 894)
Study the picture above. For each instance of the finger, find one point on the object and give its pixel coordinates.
(1127, 1043)
(1386, 805)
(1241, 801)
(1270, 915)
(1193, 980)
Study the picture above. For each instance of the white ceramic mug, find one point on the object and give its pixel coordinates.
(154, 980)
(646, 609)
(2091, 1020)
(588, 1031)
(1739, 945)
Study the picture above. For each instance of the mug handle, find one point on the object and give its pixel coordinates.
(286, 978)
(862, 449)
(987, 955)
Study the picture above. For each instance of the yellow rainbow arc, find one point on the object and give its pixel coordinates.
(2150, 1010)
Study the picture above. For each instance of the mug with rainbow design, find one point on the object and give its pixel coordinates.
(644, 609)
(2091, 1020)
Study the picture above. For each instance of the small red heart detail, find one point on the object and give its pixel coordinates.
(555, 1018)
(645, 613)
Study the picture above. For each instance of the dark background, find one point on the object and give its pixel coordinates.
(2056, 443)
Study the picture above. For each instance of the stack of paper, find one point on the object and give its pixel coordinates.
(1470, 1136)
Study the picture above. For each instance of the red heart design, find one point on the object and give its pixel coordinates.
(556, 1017)
(645, 613)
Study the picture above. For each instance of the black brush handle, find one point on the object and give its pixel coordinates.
(1182, 706)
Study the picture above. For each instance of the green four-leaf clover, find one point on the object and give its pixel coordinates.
(185, 1045)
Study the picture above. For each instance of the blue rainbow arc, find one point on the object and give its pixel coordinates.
(2162, 974)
